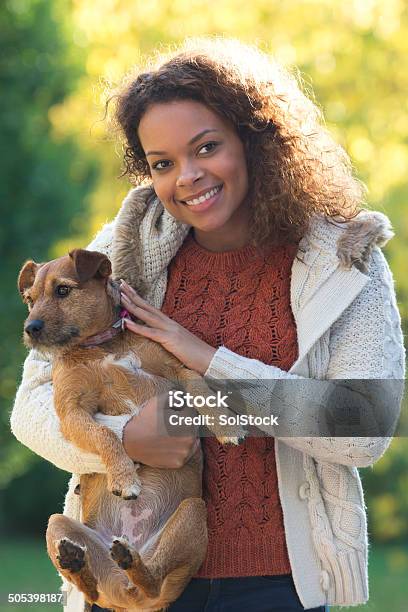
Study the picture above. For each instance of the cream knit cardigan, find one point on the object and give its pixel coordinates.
(348, 327)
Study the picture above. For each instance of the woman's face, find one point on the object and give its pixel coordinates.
(199, 171)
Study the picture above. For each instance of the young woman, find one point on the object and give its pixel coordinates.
(251, 259)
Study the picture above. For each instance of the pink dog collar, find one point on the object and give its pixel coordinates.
(120, 323)
(117, 328)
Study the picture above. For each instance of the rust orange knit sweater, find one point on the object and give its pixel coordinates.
(241, 300)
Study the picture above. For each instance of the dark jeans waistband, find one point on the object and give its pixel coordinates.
(255, 593)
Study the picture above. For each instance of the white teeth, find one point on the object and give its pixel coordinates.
(204, 197)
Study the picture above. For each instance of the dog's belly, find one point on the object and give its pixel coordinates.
(136, 520)
(142, 520)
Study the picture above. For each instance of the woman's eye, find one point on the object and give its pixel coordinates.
(62, 290)
(208, 147)
(161, 165)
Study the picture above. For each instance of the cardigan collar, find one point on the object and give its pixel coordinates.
(330, 272)
(327, 274)
(146, 238)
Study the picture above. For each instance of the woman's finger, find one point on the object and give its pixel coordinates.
(137, 301)
(135, 297)
(142, 330)
(131, 301)
(151, 318)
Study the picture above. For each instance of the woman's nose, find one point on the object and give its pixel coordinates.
(189, 174)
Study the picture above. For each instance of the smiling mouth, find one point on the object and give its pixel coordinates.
(204, 197)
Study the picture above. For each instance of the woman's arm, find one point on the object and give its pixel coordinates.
(35, 423)
(367, 363)
(364, 342)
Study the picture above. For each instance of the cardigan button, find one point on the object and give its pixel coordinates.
(324, 580)
(304, 490)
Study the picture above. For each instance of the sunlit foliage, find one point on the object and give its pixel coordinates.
(62, 56)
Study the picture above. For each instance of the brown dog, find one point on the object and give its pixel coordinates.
(73, 306)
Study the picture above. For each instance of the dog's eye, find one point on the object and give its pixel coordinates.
(29, 302)
(62, 290)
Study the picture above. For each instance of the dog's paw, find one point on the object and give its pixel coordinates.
(228, 434)
(228, 440)
(120, 552)
(132, 491)
(126, 490)
(70, 556)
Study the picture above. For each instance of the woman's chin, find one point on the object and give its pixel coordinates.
(208, 228)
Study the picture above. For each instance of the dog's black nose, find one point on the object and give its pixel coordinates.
(34, 328)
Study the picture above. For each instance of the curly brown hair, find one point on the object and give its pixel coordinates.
(295, 167)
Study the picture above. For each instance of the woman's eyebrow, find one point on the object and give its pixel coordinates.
(190, 142)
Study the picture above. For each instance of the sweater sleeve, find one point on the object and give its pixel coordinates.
(364, 378)
(34, 421)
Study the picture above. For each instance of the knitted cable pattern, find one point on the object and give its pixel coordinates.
(239, 299)
(317, 476)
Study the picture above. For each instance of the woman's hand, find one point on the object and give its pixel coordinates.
(146, 439)
(190, 350)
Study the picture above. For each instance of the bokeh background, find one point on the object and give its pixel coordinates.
(59, 182)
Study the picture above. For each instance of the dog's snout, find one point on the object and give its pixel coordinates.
(34, 328)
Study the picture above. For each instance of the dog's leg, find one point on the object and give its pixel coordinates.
(67, 545)
(75, 409)
(72, 563)
(85, 432)
(158, 361)
(195, 384)
(129, 560)
(179, 553)
(80, 555)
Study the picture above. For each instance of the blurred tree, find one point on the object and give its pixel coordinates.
(350, 51)
(44, 180)
(386, 487)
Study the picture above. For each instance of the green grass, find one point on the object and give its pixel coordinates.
(388, 578)
(25, 568)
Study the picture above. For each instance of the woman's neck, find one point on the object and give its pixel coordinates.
(229, 237)
(212, 243)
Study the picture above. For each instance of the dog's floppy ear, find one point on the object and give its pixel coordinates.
(27, 275)
(89, 264)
